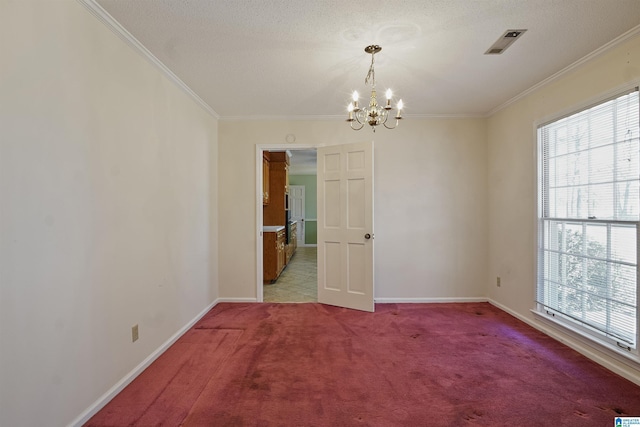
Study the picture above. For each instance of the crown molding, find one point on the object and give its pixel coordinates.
(342, 117)
(600, 51)
(103, 16)
(279, 118)
(446, 116)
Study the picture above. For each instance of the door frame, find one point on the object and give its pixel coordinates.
(260, 148)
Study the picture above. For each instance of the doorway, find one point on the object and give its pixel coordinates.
(297, 281)
(345, 262)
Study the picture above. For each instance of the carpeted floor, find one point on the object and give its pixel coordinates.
(404, 365)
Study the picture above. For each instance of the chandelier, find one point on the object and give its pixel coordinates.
(374, 114)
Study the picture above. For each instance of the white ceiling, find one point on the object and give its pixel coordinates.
(303, 162)
(295, 58)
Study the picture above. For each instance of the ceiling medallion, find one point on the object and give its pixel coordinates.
(373, 115)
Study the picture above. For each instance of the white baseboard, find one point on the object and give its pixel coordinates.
(587, 349)
(308, 245)
(429, 300)
(126, 380)
(622, 369)
(237, 300)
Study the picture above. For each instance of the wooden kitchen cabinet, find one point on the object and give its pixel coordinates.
(293, 242)
(276, 251)
(275, 213)
(273, 255)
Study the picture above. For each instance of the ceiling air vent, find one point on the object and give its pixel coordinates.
(504, 42)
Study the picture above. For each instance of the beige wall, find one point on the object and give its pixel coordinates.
(108, 211)
(512, 173)
(429, 203)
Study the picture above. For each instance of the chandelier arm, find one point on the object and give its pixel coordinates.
(361, 126)
(391, 127)
(385, 115)
(361, 116)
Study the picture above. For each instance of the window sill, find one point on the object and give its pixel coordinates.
(563, 329)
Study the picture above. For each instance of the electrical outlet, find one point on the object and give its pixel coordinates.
(498, 281)
(134, 333)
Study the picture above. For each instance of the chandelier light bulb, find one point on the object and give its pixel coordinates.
(350, 110)
(389, 94)
(355, 101)
(400, 106)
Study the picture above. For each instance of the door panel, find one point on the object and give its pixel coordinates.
(345, 218)
(296, 202)
(296, 207)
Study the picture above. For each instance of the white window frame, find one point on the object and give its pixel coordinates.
(559, 318)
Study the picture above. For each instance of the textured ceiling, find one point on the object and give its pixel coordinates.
(295, 58)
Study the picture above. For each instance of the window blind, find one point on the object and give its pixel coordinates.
(589, 210)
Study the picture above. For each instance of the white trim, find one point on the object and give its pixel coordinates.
(109, 21)
(583, 347)
(258, 206)
(279, 118)
(95, 9)
(587, 348)
(600, 51)
(589, 102)
(308, 245)
(237, 300)
(259, 255)
(573, 335)
(429, 300)
(126, 380)
(537, 167)
(342, 118)
(445, 116)
(584, 334)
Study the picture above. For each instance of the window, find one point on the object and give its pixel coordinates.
(588, 216)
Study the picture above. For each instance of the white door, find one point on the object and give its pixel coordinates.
(296, 208)
(345, 226)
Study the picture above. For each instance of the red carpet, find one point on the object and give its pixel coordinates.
(404, 365)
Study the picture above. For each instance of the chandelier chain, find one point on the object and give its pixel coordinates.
(371, 75)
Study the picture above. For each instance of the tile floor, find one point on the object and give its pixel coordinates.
(299, 280)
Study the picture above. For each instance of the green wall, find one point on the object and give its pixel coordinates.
(310, 205)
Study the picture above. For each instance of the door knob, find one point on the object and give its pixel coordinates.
(367, 236)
